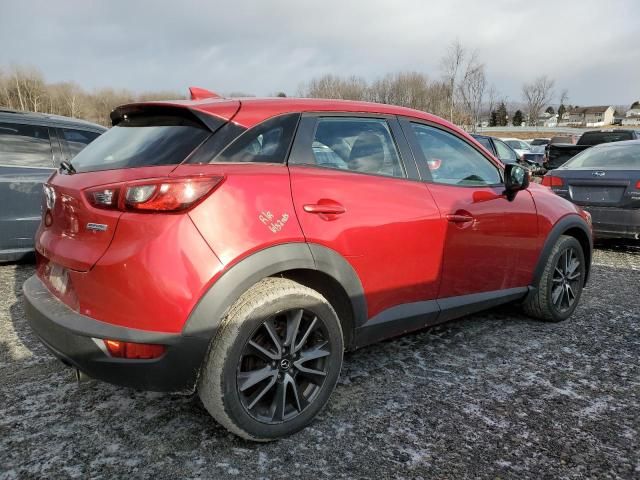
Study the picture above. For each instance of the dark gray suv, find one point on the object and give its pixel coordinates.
(32, 145)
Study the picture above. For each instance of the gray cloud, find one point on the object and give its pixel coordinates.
(589, 47)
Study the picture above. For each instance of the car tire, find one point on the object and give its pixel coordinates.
(559, 288)
(257, 340)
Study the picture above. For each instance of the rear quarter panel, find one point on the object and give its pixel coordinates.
(251, 210)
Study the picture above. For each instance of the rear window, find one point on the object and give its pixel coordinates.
(25, 145)
(539, 141)
(596, 138)
(141, 141)
(614, 157)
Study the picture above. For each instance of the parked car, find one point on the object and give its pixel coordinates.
(506, 154)
(559, 153)
(605, 181)
(32, 145)
(219, 246)
(519, 146)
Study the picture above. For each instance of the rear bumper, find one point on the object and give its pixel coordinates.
(70, 336)
(609, 222)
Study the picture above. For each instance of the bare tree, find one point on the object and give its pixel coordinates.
(492, 98)
(450, 65)
(471, 90)
(537, 95)
(333, 86)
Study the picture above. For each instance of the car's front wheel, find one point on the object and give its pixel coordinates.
(559, 288)
(274, 362)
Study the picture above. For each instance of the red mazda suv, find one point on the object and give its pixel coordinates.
(237, 247)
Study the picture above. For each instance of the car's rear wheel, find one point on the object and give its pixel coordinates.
(558, 291)
(274, 362)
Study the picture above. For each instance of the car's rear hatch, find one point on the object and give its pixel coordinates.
(602, 188)
(148, 142)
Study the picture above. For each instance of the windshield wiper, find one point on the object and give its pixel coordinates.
(64, 165)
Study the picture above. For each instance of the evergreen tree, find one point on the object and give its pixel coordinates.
(561, 110)
(501, 115)
(550, 110)
(493, 120)
(517, 118)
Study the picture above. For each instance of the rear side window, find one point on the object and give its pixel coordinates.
(25, 145)
(363, 145)
(73, 141)
(596, 138)
(267, 142)
(143, 140)
(504, 152)
(485, 142)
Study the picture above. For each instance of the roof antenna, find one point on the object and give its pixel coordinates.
(198, 93)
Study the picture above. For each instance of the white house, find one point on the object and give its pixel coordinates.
(596, 116)
(632, 117)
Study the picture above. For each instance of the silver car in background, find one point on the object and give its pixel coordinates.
(32, 145)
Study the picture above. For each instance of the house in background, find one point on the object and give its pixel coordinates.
(632, 117)
(596, 116)
(548, 120)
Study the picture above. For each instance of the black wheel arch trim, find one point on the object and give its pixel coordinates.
(205, 318)
(561, 227)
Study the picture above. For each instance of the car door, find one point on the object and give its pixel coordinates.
(26, 161)
(491, 242)
(356, 191)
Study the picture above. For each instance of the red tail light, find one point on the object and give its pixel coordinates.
(551, 181)
(131, 350)
(638, 185)
(156, 195)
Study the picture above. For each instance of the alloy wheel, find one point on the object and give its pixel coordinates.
(566, 280)
(283, 366)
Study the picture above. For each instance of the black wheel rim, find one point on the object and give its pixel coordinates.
(283, 366)
(567, 276)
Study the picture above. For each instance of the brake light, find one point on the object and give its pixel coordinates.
(638, 185)
(156, 195)
(132, 350)
(551, 181)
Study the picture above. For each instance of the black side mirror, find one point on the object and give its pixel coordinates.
(516, 178)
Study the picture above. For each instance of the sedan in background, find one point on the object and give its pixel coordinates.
(605, 181)
(32, 146)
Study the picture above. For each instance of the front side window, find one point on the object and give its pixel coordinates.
(453, 161)
(363, 145)
(74, 141)
(267, 142)
(25, 145)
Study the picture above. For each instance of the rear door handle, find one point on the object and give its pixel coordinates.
(324, 208)
(459, 218)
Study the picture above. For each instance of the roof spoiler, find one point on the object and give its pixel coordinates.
(198, 93)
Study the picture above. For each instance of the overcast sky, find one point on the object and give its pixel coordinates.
(592, 48)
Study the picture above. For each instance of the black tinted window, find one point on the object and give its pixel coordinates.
(142, 141)
(485, 142)
(75, 140)
(25, 145)
(267, 142)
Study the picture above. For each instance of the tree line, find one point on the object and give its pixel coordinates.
(24, 88)
(460, 93)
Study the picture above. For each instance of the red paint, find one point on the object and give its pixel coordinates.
(408, 241)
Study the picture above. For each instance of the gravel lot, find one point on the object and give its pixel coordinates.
(496, 395)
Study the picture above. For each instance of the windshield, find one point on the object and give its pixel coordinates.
(596, 138)
(614, 157)
(142, 141)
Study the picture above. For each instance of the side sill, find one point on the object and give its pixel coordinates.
(405, 318)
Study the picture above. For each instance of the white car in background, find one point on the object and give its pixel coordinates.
(520, 146)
